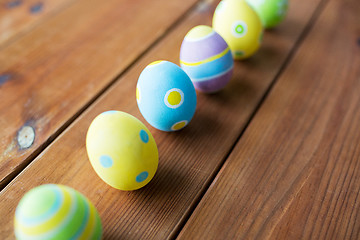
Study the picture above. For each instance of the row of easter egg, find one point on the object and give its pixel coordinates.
(165, 92)
(121, 148)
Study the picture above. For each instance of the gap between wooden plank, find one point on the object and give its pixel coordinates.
(288, 59)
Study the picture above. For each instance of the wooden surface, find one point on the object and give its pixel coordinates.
(295, 171)
(19, 16)
(251, 164)
(51, 74)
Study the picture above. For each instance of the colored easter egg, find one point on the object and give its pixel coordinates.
(122, 150)
(206, 58)
(56, 212)
(166, 96)
(271, 12)
(240, 26)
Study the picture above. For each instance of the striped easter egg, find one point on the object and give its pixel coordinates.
(206, 58)
(56, 212)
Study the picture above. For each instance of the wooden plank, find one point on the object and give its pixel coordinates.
(50, 74)
(188, 159)
(295, 172)
(18, 16)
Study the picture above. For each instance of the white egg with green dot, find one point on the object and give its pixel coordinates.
(122, 150)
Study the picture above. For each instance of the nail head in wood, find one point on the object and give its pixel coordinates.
(26, 137)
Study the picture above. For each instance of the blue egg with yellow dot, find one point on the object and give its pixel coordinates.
(166, 96)
(122, 150)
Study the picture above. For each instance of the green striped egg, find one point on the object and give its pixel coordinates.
(56, 212)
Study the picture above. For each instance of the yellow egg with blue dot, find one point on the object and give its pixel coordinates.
(240, 26)
(122, 150)
(166, 96)
(56, 212)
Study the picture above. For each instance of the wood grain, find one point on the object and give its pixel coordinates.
(48, 76)
(295, 172)
(188, 159)
(18, 16)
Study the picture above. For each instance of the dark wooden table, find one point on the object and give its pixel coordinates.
(275, 155)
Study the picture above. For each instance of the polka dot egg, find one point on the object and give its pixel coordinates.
(207, 59)
(271, 12)
(166, 96)
(56, 212)
(122, 150)
(240, 26)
